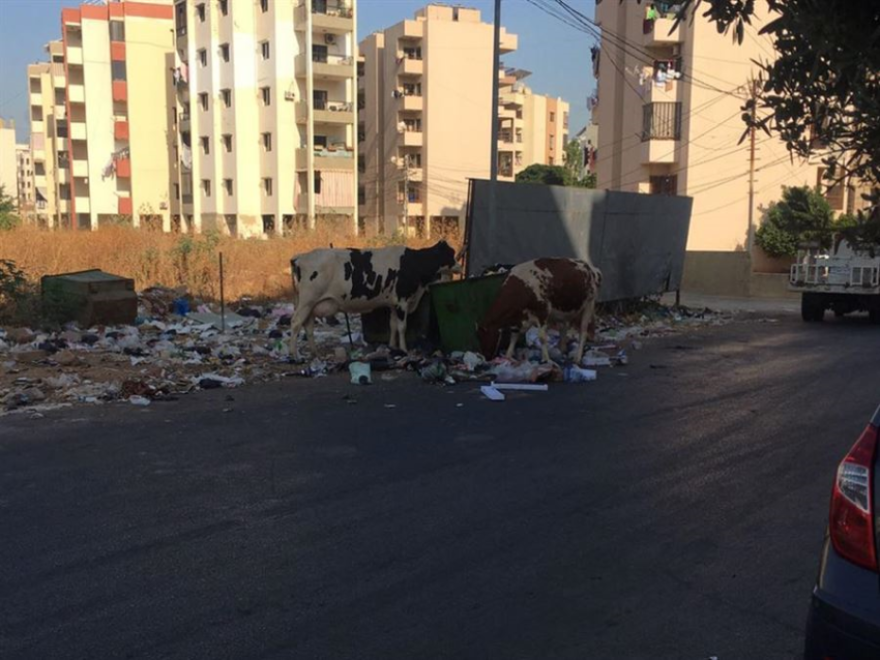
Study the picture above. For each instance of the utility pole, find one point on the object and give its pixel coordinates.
(493, 165)
(753, 95)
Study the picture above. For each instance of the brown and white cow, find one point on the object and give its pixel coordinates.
(540, 292)
(329, 281)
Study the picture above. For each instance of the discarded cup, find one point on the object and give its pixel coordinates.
(360, 373)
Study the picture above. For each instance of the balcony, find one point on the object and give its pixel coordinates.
(659, 152)
(185, 122)
(123, 168)
(333, 18)
(411, 139)
(508, 42)
(334, 67)
(123, 208)
(36, 98)
(76, 93)
(326, 159)
(80, 168)
(412, 103)
(38, 126)
(412, 66)
(63, 175)
(330, 112)
(82, 205)
(78, 130)
(413, 29)
(60, 112)
(74, 55)
(661, 121)
(120, 129)
(120, 90)
(660, 35)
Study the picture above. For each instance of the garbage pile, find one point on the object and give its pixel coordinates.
(178, 345)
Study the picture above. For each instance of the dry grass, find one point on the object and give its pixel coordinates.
(256, 268)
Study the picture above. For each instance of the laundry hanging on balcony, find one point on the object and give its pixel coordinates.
(110, 168)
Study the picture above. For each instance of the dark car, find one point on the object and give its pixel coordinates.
(844, 619)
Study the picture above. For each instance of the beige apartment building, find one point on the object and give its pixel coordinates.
(100, 113)
(8, 163)
(669, 116)
(533, 128)
(265, 114)
(424, 112)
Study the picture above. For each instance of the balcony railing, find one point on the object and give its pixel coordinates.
(661, 121)
(326, 58)
(332, 9)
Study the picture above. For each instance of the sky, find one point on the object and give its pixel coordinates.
(557, 55)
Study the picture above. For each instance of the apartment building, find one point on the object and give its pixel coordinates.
(100, 114)
(424, 110)
(265, 117)
(8, 165)
(25, 180)
(533, 128)
(669, 115)
(47, 107)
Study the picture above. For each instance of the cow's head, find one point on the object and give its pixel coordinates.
(489, 338)
(441, 259)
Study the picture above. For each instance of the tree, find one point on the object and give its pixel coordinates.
(8, 217)
(550, 175)
(554, 175)
(823, 89)
(802, 216)
(573, 157)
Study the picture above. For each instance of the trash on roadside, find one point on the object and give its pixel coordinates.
(522, 387)
(492, 393)
(360, 373)
(574, 374)
(136, 400)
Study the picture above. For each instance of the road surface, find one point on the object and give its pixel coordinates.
(672, 509)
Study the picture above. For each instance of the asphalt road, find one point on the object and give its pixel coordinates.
(672, 509)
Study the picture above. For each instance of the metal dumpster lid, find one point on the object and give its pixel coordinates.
(95, 275)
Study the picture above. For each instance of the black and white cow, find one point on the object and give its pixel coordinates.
(329, 281)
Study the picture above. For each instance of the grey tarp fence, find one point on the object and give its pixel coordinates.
(638, 241)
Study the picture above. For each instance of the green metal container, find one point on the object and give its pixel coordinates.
(90, 297)
(460, 305)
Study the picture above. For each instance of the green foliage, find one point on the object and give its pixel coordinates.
(19, 299)
(8, 217)
(553, 175)
(803, 215)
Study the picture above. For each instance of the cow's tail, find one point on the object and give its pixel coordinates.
(295, 273)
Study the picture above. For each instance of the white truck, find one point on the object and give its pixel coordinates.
(843, 279)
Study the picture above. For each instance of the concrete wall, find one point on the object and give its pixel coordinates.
(718, 273)
(8, 165)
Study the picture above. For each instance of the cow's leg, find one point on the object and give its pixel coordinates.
(301, 315)
(392, 338)
(514, 335)
(310, 336)
(401, 327)
(587, 328)
(545, 351)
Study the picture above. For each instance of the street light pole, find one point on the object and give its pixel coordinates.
(493, 165)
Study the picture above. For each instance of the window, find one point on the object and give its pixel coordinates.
(200, 12)
(552, 141)
(227, 142)
(552, 117)
(455, 13)
(264, 49)
(206, 144)
(664, 185)
(267, 187)
(224, 7)
(176, 191)
(264, 6)
(317, 182)
(267, 142)
(203, 100)
(206, 187)
(203, 57)
(319, 99)
(117, 31)
(117, 70)
(832, 193)
(227, 184)
(661, 121)
(319, 53)
(224, 52)
(226, 95)
(268, 224)
(267, 95)
(362, 195)
(565, 120)
(551, 161)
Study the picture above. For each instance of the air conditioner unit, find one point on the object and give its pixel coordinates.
(329, 38)
(290, 96)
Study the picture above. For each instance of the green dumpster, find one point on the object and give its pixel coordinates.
(459, 306)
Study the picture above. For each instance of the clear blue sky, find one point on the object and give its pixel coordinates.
(557, 55)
